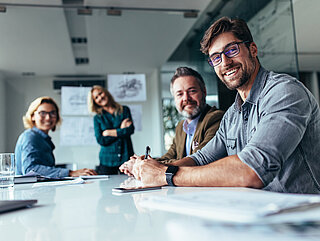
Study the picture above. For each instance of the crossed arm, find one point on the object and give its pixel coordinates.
(113, 132)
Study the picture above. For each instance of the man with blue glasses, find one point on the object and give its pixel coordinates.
(269, 138)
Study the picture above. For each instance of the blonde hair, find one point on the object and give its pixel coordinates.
(94, 108)
(27, 118)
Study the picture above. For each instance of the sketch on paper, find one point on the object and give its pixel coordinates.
(127, 87)
(77, 131)
(74, 100)
(136, 113)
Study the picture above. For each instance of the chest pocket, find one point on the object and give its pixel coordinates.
(231, 146)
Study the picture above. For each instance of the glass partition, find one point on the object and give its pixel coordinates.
(272, 27)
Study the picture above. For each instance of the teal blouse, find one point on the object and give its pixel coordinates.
(114, 150)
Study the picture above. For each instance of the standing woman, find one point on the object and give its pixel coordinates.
(113, 127)
(34, 148)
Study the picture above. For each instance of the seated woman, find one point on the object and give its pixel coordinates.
(34, 148)
(113, 127)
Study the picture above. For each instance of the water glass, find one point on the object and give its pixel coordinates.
(6, 170)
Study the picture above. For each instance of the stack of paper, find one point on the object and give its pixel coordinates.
(24, 179)
(240, 206)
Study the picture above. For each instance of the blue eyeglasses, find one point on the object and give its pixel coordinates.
(231, 50)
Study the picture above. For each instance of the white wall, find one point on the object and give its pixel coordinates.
(152, 127)
(21, 91)
(2, 115)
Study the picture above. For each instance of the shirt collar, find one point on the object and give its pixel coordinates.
(189, 128)
(44, 135)
(40, 132)
(255, 91)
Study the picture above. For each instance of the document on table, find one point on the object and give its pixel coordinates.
(90, 177)
(206, 230)
(79, 180)
(95, 177)
(240, 206)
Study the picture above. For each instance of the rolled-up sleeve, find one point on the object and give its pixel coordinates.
(284, 114)
(215, 149)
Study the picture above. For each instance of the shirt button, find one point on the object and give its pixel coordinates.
(119, 155)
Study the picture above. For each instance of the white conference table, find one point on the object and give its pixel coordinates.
(90, 211)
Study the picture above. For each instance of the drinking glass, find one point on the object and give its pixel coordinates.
(6, 170)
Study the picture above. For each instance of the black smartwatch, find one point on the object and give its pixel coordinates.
(170, 172)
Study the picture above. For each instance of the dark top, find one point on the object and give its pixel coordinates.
(114, 150)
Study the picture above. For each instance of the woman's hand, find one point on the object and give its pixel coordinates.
(112, 132)
(82, 172)
(126, 123)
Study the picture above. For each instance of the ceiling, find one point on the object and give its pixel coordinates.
(38, 39)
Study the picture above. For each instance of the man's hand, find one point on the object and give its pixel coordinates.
(127, 167)
(126, 123)
(150, 172)
(82, 172)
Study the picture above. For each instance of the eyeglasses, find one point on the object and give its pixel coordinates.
(52, 114)
(231, 50)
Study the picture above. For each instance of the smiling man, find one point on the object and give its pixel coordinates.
(269, 138)
(201, 120)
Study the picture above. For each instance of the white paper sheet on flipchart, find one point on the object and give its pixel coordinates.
(74, 100)
(136, 113)
(236, 205)
(127, 87)
(77, 131)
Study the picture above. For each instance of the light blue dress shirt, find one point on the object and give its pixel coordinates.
(34, 152)
(276, 132)
(190, 129)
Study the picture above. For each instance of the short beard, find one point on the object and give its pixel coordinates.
(244, 78)
(195, 112)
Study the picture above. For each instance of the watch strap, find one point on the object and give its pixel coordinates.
(170, 172)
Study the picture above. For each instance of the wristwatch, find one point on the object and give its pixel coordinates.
(170, 172)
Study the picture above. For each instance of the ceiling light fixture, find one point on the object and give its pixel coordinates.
(85, 11)
(3, 9)
(114, 12)
(190, 14)
(111, 10)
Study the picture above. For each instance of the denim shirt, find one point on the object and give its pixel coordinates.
(34, 152)
(276, 132)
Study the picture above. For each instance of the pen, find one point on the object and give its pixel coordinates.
(147, 152)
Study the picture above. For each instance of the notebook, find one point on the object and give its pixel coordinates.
(9, 205)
